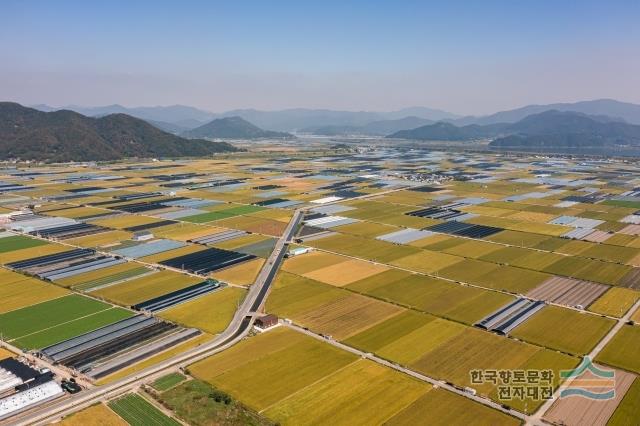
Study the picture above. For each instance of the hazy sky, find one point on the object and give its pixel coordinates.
(468, 57)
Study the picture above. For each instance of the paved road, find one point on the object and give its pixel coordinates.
(239, 326)
(536, 419)
(432, 381)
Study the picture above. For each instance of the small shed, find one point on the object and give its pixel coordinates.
(266, 321)
(142, 236)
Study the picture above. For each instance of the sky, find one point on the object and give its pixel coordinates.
(467, 57)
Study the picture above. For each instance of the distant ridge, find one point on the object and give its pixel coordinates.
(59, 136)
(297, 119)
(286, 120)
(233, 128)
(546, 129)
(558, 129)
(375, 128)
(327, 121)
(443, 131)
(184, 116)
(621, 111)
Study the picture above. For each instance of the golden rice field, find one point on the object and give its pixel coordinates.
(4, 353)
(346, 316)
(18, 291)
(346, 272)
(211, 312)
(243, 274)
(96, 415)
(622, 350)
(439, 407)
(564, 330)
(310, 262)
(615, 302)
(281, 360)
(101, 240)
(375, 394)
(28, 253)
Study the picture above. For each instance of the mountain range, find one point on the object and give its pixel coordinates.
(64, 135)
(60, 136)
(178, 119)
(374, 128)
(621, 111)
(184, 117)
(561, 129)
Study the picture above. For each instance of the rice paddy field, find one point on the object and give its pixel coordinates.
(210, 313)
(96, 415)
(328, 377)
(406, 254)
(564, 330)
(622, 350)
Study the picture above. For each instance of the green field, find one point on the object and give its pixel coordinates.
(222, 214)
(238, 210)
(137, 411)
(19, 242)
(67, 330)
(195, 402)
(49, 314)
(564, 329)
(167, 382)
(206, 217)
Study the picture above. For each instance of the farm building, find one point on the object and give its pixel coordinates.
(142, 236)
(266, 321)
(298, 251)
(23, 387)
